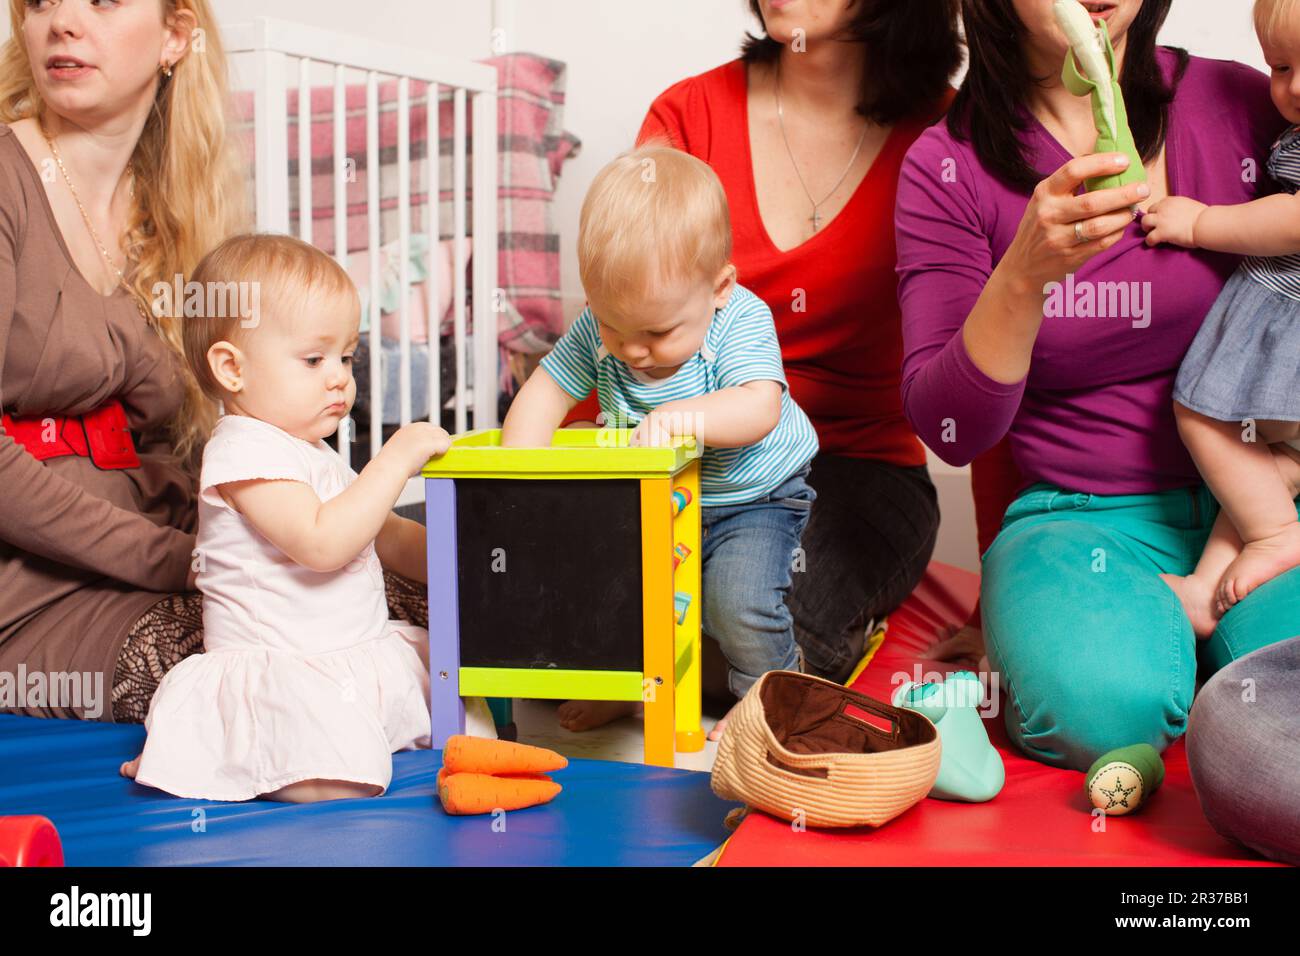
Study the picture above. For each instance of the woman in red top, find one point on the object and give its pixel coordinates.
(807, 130)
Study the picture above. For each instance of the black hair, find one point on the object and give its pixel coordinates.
(987, 109)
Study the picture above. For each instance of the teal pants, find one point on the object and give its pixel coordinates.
(1092, 648)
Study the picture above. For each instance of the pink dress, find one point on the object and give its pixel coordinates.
(303, 675)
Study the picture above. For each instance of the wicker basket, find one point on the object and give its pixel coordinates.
(791, 749)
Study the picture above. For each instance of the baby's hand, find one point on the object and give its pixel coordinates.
(414, 444)
(654, 431)
(1173, 220)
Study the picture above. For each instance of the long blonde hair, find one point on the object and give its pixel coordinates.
(189, 192)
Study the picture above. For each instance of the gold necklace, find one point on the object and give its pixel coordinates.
(85, 217)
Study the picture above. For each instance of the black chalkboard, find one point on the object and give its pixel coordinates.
(550, 573)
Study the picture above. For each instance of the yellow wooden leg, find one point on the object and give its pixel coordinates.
(686, 531)
(659, 685)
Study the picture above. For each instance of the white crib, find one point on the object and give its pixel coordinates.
(269, 56)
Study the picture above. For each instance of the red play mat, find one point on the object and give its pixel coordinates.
(1041, 817)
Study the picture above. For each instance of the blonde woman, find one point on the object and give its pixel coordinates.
(115, 173)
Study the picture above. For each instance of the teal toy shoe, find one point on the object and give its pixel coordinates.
(970, 768)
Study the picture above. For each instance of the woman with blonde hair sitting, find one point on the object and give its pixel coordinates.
(116, 173)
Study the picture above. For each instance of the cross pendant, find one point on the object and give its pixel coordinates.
(816, 219)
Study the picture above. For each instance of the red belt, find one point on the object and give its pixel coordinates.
(101, 435)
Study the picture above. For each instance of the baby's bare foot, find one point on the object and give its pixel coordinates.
(130, 768)
(1259, 562)
(1198, 598)
(578, 715)
(720, 726)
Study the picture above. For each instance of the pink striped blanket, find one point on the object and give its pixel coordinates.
(532, 148)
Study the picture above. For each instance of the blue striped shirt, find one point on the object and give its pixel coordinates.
(1281, 273)
(740, 346)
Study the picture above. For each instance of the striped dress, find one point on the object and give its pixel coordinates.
(740, 346)
(1281, 273)
(1244, 362)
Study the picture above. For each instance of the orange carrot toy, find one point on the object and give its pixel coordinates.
(463, 754)
(463, 793)
(480, 775)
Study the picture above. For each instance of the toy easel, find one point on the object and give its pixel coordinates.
(569, 572)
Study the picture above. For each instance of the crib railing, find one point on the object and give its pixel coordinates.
(262, 54)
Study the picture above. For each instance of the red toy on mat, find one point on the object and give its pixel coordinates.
(1041, 817)
(29, 841)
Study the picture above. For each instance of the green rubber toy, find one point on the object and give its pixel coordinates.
(1113, 137)
(1122, 780)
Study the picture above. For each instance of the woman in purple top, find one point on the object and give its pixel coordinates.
(1035, 312)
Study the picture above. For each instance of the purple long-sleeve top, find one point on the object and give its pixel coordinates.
(1095, 412)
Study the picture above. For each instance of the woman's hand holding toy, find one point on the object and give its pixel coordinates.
(1058, 233)
(1061, 230)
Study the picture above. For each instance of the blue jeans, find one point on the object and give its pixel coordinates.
(749, 559)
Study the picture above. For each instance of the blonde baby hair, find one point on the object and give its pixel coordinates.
(653, 216)
(1274, 17)
(282, 269)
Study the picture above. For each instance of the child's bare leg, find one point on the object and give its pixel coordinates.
(1198, 591)
(1287, 460)
(314, 791)
(1273, 545)
(1248, 482)
(304, 791)
(580, 715)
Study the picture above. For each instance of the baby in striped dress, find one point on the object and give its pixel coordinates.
(1237, 395)
(674, 347)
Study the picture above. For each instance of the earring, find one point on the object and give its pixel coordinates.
(166, 70)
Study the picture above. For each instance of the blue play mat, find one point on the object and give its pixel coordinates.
(610, 814)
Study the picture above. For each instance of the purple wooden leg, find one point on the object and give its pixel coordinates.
(446, 708)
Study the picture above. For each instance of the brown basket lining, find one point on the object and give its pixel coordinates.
(808, 717)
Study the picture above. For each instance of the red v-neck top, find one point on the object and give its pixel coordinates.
(834, 297)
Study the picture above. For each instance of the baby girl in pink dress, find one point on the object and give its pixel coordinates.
(305, 687)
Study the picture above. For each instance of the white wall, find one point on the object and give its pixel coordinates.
(446, 27)
(1222, 30)
(623, 53)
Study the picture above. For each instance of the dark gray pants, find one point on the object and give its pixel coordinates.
(871, 534)
(1243, 750)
